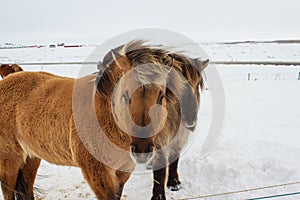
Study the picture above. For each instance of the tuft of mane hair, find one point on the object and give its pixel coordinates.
(140, 53)
(122, 50)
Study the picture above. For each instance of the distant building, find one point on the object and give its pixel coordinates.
(72, 46)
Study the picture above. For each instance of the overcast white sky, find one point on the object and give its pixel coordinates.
(93, 21)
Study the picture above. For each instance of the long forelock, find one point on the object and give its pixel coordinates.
(141, 54)
(151, 73)
(122, 50)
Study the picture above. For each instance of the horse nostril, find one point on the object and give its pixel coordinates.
(132, 148)
(150, 148)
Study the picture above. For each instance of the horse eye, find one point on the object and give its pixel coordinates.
(126, 97)
(161, 98)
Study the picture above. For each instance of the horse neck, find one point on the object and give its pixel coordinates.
(104, 108)
(107, 122)
(107, 81)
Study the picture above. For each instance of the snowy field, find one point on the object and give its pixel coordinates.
(259, 145)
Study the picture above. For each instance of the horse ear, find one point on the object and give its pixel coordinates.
(201, 64)
(114, 58)
(123, 63)
(100, 66)
(115, 55)
(16, 68)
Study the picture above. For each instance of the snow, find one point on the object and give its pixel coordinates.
(45, 54)
(259, 145)
(253, 52)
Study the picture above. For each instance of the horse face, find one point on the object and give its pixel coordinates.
(148, 112)
(142, 149)
(142, 114)
(191, 94)
(189, 105)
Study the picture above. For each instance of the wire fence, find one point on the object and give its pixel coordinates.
(249, 190)
(227, 75)
(229, 70)
(225, 63)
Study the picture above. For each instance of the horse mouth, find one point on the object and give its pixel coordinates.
(141, 158)
(189, 121)
(191, 126)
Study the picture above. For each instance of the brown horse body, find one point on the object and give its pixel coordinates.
(38, 121)
(32, 128)
(6, 69)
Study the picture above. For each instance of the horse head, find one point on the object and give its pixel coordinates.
(190, 99)
(184, 85)
(138, 100)
(137, 79)
(6, 69)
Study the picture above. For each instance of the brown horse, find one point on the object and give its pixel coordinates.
(57, 119)
(6, 69)
(171, 139)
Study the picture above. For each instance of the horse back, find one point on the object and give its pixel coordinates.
(37, 112)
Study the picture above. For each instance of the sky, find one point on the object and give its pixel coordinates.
(94, 21)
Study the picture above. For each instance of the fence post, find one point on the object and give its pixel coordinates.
(299, 76)
(249, 76)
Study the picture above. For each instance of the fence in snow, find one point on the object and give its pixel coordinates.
(229, 71)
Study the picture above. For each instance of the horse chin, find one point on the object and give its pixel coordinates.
(191, 126)
(142, 158)
(189, 122)
(141, 161)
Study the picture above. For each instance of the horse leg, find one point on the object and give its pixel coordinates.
(159, 176)
(173, 179)
(9, 173)
(99, 178)
(27, 176)
(122, 178)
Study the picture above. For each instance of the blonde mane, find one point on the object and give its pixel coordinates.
(158, 60)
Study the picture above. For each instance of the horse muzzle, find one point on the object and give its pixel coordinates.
(189, 109)
(189, 120)
(142, 156)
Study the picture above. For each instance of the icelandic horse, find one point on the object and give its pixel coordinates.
(41, 118)
(6, 69)
(179, 122)
(57, 119)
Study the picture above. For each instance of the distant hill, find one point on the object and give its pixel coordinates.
(264, 42)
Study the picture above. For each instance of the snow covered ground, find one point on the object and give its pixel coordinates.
(259, 145)
(253, 51)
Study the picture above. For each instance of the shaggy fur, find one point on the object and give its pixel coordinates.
(174, 134)
(37, 122)
(6, 69)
